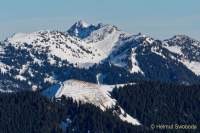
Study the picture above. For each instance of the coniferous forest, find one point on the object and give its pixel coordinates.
(149, 102)
(29, 112)
(161, 104)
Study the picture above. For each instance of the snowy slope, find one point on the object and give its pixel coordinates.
(108, 39)
(102, 36)
(190, 64)
(59, 45)
(124, 53)
(105, 38)
(194, 66)
(85, 92)
(187, 49)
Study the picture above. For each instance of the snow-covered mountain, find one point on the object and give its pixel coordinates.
(102, 36)
(87, 61)
(129, 52)
(187, 49)
(35, 59)
(39, 59)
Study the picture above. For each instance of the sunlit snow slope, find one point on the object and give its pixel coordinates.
(85, 92)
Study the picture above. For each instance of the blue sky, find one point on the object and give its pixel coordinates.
(157, 18)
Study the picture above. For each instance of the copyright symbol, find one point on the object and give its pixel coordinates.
(152, 126)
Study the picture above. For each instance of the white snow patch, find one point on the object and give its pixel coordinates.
(49, 79)
(174, 49)
(192, 65)
(149, 40)
(109, 41)
(135, 66)
(122, 85)
(99, 78)
(24, 68)
(87, 93)
(20, 77)
(156, 51)
(36, 60)
(31, 73)
(4, 68)
(127, 118)
(5, 91)
(34, 87)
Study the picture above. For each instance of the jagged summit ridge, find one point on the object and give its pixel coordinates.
(82, 29)
(82, 23)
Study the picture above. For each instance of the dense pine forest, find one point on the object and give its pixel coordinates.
(149, 102)
(29, 112)
(161, 104)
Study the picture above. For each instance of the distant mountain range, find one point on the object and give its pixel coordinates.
(43, 58)
(90, 56)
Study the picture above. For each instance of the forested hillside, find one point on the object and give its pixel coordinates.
(29, 112)
(149, 102)
(165, 104)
